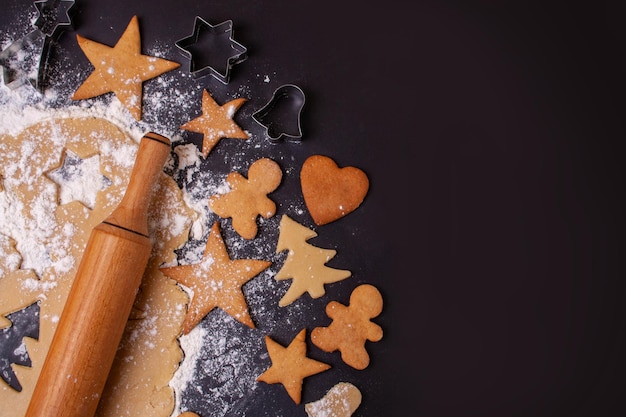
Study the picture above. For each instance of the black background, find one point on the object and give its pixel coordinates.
(492, 134)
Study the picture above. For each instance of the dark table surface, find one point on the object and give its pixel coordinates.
(493, 137)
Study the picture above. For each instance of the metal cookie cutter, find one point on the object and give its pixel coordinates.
(22, 62)
(28, 56)
(223, 51)
(281, 115)
(54, 16)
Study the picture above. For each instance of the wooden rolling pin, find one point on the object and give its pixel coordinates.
(103, 292)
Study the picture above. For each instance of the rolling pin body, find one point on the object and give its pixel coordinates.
(101, 297)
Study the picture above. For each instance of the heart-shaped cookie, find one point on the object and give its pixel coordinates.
(330, 192)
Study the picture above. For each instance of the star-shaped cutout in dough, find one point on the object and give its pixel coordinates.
(53, 15)
(121, 69)
(290, 365)
(216, 122)
(79, 179)
(216, 282)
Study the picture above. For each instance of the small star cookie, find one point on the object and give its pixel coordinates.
(216, 122)
(351, 326)
(290, 365)
(247, 198)
(121, 69)
(216, 282)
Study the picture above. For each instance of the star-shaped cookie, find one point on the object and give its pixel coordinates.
(216, 122)
(216, 282)
(290, 365)
(121, 69)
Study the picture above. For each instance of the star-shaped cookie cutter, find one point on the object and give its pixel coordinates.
(210, 39)
(18, 60)
(53, 16)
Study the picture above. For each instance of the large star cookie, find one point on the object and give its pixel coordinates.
(121, 69)
(216, 282)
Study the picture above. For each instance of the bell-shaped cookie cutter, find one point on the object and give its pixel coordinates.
(217, 39)
(282, 113)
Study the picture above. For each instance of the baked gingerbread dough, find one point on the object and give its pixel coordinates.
(247, 198)
(291, 365)
(216, 122)
(216, 282)
(149, 353)
(121, 69)
(331, 192)
(352, 327)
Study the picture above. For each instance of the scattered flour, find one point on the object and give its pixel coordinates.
(218, 353)
(191, 344)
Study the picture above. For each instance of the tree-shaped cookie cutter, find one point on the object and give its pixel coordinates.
(281, 115)
(223, 51)
(53, 18)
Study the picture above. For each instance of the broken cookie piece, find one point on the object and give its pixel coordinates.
(342, 400)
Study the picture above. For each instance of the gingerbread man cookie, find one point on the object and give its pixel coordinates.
(351, 326)
(247, 198)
